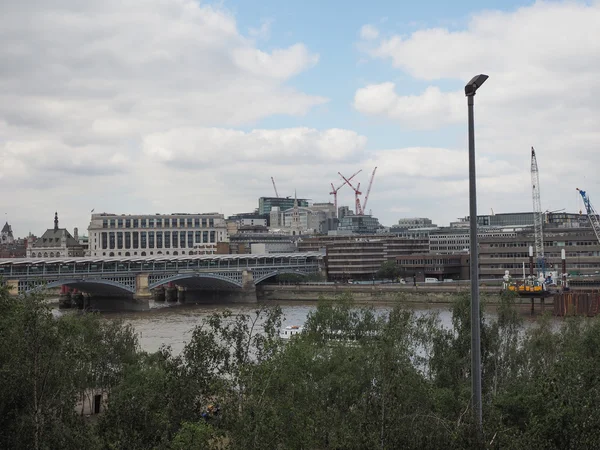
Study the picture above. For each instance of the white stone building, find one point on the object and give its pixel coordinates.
(156, 234)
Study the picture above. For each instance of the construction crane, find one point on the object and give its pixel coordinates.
(275, 187)
(357, 194)
(334, 190)
(591, 213)
(364, 206)
(537, 212)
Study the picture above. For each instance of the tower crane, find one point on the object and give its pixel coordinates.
(591, 213)
(275, 187)
(537, 212)
(364, 206)
(334, 190)
(357, 193)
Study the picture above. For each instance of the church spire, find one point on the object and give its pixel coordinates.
(55, 221)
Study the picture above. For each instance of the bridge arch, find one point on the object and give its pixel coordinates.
(199, 280)
(90, 285)
(274, 273)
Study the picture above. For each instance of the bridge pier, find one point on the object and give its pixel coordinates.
(122, 302)
(245, 294)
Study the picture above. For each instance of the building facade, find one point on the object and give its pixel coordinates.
(355, 224)
(352, 257)
(157, 234)
(441, 267)
(415, 222)
(6, 236)
(55, 243)
(265, 204)
(500, 253)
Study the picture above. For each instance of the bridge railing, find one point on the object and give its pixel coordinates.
(51, 269)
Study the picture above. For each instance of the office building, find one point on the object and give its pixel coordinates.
(157, 234)
(265, 204)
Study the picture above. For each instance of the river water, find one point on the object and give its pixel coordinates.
(172, 325)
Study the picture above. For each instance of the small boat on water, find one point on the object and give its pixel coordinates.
(288, 332)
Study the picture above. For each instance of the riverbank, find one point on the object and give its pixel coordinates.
(390, 293)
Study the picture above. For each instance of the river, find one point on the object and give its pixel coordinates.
(172, 325)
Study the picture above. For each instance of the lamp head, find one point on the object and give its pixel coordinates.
(475, 83)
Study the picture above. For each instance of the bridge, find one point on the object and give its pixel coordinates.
(128, 282)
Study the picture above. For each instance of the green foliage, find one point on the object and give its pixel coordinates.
(389, 270)
(356, 378)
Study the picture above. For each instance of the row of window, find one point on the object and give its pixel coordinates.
(188, 222)
(551, 266)
(151, 239)
(175, 253)
(53, 254)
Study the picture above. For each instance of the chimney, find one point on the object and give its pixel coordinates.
(76, 234)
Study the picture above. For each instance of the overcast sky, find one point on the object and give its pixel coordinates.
(147, 106)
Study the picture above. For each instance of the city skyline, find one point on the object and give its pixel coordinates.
(178, 106)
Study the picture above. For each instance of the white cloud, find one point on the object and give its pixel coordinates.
(428, 110)
(543, 62)
(369, 32)
(84, 86)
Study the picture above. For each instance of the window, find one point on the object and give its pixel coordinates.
(167, 222)
(143, 241)
(127, 239)
(189, 223)
(205, 236)
(112, 223)
(203, 223)
(150, 239)
(104, 240)
(211, 223)
(175, 240)
(120, 239)
(212, 236)
(196, 223)
(143, 223)
(167, 240)
(136, 223)
(158, 223)
(127, 223)
(159, 239)
(198, 237)
(182, 239)
(111, 239)
(105, 223)
(136, 239)
(120, 223)
(174, 223)
(190, 239)
(150, 223)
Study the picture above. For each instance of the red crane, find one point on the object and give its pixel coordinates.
(364, 207)
(334, 191)
(357, 192)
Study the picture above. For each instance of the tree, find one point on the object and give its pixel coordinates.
(389, 270)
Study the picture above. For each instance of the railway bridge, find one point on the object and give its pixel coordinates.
(128, 282)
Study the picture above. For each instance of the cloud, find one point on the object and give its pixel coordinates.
(429, 110)
(543, 62)
(187, 148)
(369, 32)
(84, 87)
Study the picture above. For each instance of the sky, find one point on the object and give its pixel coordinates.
(163, 106)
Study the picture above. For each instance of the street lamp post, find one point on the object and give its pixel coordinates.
(470, 90)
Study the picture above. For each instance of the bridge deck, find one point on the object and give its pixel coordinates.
(36, 267)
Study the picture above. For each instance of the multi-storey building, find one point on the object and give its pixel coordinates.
(360, 257)
(415, 222)
(265, 204)
(447, 241)
(500, 253)
(55, 243)
(358, 224)
(157, 234)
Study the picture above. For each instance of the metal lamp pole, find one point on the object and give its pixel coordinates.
(470, 90)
